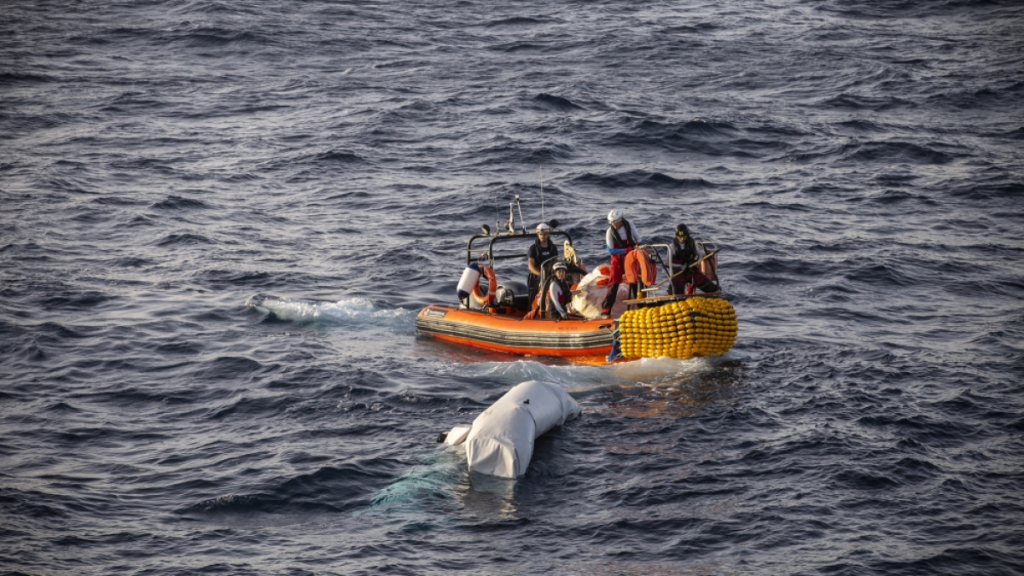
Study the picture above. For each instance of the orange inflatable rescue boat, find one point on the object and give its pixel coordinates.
(500, 317)
(513, 334)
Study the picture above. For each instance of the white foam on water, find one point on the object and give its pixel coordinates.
(348, 311)
(655, 370)
(576, 377)
(568, 376)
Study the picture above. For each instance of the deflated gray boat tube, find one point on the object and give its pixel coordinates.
(500, 442)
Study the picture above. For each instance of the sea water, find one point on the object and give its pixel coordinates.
(221, 218)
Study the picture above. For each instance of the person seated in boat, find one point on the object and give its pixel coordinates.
(542, 250)
(559, 294)
(620, 239)
(686, 273)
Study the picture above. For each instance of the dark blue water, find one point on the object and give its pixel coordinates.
(164, 166)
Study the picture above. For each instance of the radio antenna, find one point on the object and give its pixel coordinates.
(497, 216)
(541, 193)
(521, 221)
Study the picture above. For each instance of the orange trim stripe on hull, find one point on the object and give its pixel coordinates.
(576, 339)
(591, 353)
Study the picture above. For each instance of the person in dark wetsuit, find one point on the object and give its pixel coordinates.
(541, 251)
(620, 239)
(684, 253)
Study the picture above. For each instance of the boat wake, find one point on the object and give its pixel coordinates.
(514, 372)
(645, 371)
(350, 312)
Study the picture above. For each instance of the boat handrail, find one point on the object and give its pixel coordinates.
(500, 237)
(709, 247)
(664, 265)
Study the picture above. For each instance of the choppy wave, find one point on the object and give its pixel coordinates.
(220, 219)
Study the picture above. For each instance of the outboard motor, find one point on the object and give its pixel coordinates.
(514, 294)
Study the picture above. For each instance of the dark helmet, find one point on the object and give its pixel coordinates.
(681, 229)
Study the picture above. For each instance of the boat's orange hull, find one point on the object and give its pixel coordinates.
(582, 340)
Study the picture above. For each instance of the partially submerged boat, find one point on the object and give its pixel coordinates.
(500, 440)
(499, 316)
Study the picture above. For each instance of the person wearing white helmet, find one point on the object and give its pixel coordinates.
(542, 250)
(620, 239)
(558, 292)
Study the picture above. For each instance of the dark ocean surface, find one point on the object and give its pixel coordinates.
(167, 166)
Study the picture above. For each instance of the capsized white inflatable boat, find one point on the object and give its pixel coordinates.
(500, 441)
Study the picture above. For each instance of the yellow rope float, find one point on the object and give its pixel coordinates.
(683, 329)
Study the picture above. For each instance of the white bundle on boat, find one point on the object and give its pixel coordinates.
(588, 296)
(500, 441)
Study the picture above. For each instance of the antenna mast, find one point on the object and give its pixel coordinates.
(541, 193)
(521, 221)
(497, 217)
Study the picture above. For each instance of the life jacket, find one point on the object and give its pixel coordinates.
(566, 295)
(683, 255)
(543, 254)
(564, 299)
(629, 242)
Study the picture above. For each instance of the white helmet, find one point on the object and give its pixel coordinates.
(542, 227)
(614, 216)
(559, 266)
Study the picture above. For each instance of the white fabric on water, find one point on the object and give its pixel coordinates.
(501, 440)
(457, 435)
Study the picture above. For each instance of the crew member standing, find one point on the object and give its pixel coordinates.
(684, 256)
(620, 239)
(543, 249)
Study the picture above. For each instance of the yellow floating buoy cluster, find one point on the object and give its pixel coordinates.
(692, 327)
